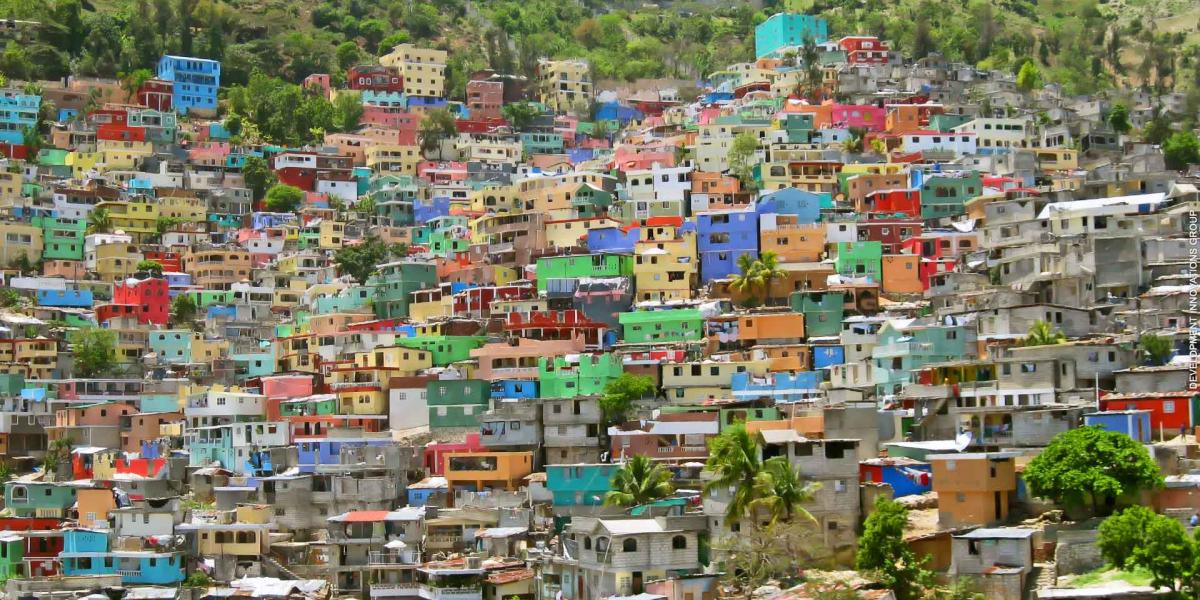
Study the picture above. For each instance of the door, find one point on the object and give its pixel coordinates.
(997, 502)
(637, 582)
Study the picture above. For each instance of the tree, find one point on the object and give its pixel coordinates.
(132, 82)
(437, 125)
(347, 110)
(283, 198)
(782, 491)
(1118, 118)
(95, 351)
(1137, 537)
(741, 159)
(760, 554)
(1029, 78)
(1091, 465)
(520, 114)
(99, 221)
(361, 260)
(639, 481)
(258, 175)
(1181, 149)
(756, 274)
(881, 549)
(183, 310)
(58, 452)
(22, 264)
(733, 456)
(1156, 350)
(1042, 333)
(622, 392)
(347, 54)
(153, 267)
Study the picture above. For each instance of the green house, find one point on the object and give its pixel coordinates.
(946, 195)
(444, 349)
(582, 265)
(584, 375)
(946, 122)
(457, 403)
(859, 259)
(314, 405)
(12, 555)
(823, 311)
(395, 283)
(11, 384)
(659, 326)
(904, 348)
(394, 198)
(591, 201)
(799, 127)
(580, 485)
(62, 238)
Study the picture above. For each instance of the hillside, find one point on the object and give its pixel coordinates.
(1085, 45)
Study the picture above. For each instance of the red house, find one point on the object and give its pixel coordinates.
(891, 233)
(434, 452)
(1170, 412)
(865, 50)
(477, 301)
(555, 325)
(303, 169)
(171, 262)
(148, 299)
(892, 202)
(485, 97)
(375, 77)
(156, 94)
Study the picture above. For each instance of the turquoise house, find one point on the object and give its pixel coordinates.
(580, 485)
(346, 300)
(172, 346)
(86, 552)
(904, 347)
(254, 364)
(457, 403)
(784, 30)
(25, 499)
(823, 311)
(395, 284)
(541, 143)
(945, 195)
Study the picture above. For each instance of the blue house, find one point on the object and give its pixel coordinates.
(18, 112)
(580, 485)
(177, 283)
(824, 356)
(907, 477)
(86, 552)
(780, 386)
(514, 388)
(195, 80)
(792, 201)
(439, 206)
(612, 239)
(419, 493)
(65, 298)
(784, 30)
(327, 451)
(1134, 423)
(615, 111)
(722, 238)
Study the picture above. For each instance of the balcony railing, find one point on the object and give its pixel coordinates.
(384, 590)
(129, 572)
(449, 593)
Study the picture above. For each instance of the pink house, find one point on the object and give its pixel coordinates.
(863, 116)
(435, 451)
(506, 361)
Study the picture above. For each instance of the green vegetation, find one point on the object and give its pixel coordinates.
(1181, 149)
(1105, 575)
(95, 351)
(1042, 333)
(1091, 466)
(882, 550)
(258, 175)
(639, 481)
(622, 392)
(361, 260)
(153, 267)
(283, 198)
(183, 310)
(1141, 539)
(756, 274)
(1156, 350)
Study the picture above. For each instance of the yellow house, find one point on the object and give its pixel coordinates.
(666, 267)
(136, 218)
(551, 194)
(1057, 159)
(793, 242)
(184, 207)
(330, 235)
(428, 304)
(20, 239)
(115, 261)
(131, 343)
(566, 233)
(810, 175)
(82, 162)
(406, 360)
(393, 159)
(488, 149)
(10, 188)
(565, 85)
(206, 351)
(495, 199)
(247, 535)
(94, 504)
(423, 69)
(696, 381)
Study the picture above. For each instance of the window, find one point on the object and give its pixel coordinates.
(679, 542)
(629, 545)
(1168, 406)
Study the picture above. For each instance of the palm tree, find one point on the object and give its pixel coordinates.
(99, 221)
(1042, 333)
(782, 491)
(749, 278)
(639, 481)
(769, 271)
(58, 451)
(733, 457)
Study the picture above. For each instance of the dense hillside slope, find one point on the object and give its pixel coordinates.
(1084, 44)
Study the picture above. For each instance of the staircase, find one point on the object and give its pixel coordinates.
(278, 566)
(1044, 575)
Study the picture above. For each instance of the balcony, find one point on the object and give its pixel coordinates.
(129, 572)
(440, 541)
(451, 593)
(391, 590)
(409, 557)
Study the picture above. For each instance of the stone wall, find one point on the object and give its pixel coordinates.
(1077, 552)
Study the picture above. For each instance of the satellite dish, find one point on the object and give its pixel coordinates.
(963, 440)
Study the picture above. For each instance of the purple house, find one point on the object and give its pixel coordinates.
(721, 238)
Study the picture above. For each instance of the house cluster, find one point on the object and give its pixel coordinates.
(859, 289)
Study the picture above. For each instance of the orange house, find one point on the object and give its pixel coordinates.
(94, 505)
(786, 357)
(861, 186)
(793, 242)
(901, 274)
(479, 471)
(144, 427)
(777, 327)
(973, 488)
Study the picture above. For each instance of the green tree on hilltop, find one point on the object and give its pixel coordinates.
(1091, 466)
